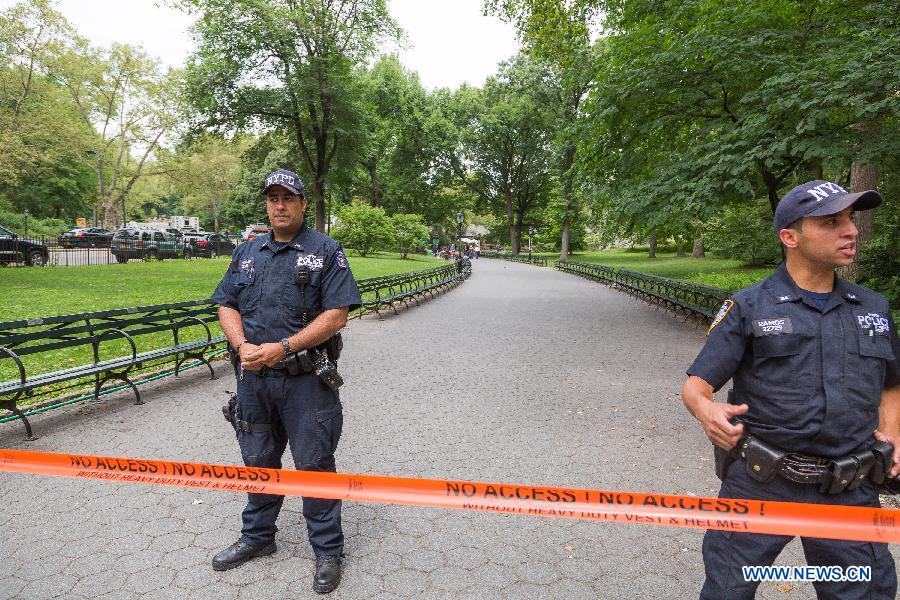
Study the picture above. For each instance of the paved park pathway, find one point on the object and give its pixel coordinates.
(520, 375)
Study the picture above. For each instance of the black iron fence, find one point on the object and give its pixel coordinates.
(69, 251)
(528, 259)
(676, 295)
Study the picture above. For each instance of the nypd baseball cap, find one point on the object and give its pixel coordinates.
(286, 179)
(818, 199)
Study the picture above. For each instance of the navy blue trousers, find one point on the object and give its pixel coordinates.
(725, 552)
(307, 415)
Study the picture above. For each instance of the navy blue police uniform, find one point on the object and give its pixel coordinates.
(811, 368)
(274, 408)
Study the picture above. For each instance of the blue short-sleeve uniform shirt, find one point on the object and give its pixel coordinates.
(260, 284)
(812, 377)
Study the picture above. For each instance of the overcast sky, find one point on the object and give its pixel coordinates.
(450, 42)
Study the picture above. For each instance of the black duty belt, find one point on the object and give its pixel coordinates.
(294, 364)
(832, 475)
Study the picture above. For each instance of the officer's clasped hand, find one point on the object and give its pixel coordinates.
(718, 426)
(254, 358)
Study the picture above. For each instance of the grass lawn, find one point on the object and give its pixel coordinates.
(717, 272)
(50, 291)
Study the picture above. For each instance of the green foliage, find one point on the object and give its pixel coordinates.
(37, 227)
(744, 232)
(363, 228)
(499, 142)
(410, 232)
(880, 260)
(286, 66)
(730, 280)
(711, 271)
(206, 172)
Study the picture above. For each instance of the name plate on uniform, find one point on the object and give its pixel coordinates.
(773, 326)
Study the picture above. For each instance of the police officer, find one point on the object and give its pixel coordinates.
(815, 405)
(286, 293)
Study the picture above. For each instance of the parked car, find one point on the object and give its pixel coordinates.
(90, 237)
(144, 244)
(175, 232)
(16, 249)
(209, 245)
(255, 230)
(190, 236)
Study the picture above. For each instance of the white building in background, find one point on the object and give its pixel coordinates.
(162, 223)
(154, 225)
(182, 222)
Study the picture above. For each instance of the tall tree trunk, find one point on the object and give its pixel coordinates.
(771, 186)
(698, 251)
(511, 219)
(318, 196)
(862, 177)
(564, 244)
(568, 187)
(652, 252)
(375, 185)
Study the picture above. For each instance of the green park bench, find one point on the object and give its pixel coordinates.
(387, 291)
(45, 342)
(693, 299)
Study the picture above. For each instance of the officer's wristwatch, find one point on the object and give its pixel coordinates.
(287, 346)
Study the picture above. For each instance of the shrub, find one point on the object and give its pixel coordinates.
(744, 232)
(48, 227)
(364, 228)
(410, 232)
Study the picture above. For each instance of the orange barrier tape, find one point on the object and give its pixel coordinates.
(782, 518)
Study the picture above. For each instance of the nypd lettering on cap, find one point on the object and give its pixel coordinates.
(286, 179)
(824, 190)
(279, 178)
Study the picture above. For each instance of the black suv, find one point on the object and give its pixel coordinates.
(210, 245)
(15, 249)
(144, 244)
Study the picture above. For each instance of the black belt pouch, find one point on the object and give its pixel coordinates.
(762, 460)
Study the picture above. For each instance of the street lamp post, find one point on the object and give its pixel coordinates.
(26, 222)
(459, 223)
(530, 233)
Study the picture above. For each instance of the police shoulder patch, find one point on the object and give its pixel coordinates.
(720, 316)
(341, 259)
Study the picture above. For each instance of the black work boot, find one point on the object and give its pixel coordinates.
(328, 574)
(240, 552)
